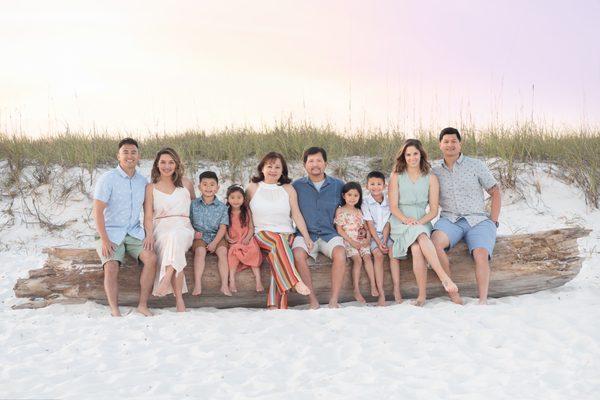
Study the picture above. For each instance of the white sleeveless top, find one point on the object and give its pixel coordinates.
(270, 208)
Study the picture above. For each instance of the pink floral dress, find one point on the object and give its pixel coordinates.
(354, 225)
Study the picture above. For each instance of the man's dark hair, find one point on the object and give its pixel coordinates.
(449, 131)
(208, 175)
(314, 150)
(376, 174)
(128, 140)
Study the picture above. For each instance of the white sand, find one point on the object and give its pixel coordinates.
(540, 346)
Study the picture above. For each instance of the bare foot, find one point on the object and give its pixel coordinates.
(272, 308)
(455, 297)
(398, 296)
(115, 312)
(419, 302)
(232, 287)
(359, 297)
(302, 288)
(374, 291)
(381, 301)
(180, 306)
(333, 304)
(482, 302)
(225, 291)
(164, 286)
(145, 311)
(450, 286)
(197, 290)
(259, 287)
(314, 304)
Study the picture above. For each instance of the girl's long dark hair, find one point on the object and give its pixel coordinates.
(243, 208)
(348, 187)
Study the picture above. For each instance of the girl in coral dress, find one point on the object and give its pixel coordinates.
(243, 248)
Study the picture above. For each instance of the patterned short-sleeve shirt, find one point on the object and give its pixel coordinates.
(124, 198)
(208, 218)
(461, 189)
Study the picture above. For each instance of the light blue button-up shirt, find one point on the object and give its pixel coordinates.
(124, 198)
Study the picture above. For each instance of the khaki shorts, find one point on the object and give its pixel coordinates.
(130, 245)
(320, 246)
(201, 243)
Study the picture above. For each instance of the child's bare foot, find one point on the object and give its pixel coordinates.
(397, 296)
(482, 302)
(302, 288)
(314, 304)
(225, 291)
(455, 297)
(419, 301)
(197, 290)
(232, 287)
(333, 304)
(115, 312)
(180, 306)
(450, 286)
(381, 300)
(145, 311)
(374, 291)
(359, 297)
(164, 286)
(259, 287)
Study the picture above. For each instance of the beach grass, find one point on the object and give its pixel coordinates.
(575, 152)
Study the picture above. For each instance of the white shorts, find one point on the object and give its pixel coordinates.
(320, 246)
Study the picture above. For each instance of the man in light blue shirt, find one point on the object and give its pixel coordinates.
(118, 202)
(319, 196)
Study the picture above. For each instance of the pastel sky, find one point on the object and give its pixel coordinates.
(159, 66)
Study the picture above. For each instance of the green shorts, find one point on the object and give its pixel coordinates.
(130, 245)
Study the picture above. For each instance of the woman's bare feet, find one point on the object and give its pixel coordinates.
(302, 288)
(115, 312)
(359, 297)
(482, 302)
(397, 296)
(333, 304)
(419, 301)
(314, 304)
(164, 286)
(145, 311)
(381, 300)
(179, 305)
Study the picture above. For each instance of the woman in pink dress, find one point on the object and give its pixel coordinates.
(243, 249)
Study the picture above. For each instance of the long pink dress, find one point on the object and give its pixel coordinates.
(173, 232)
(247, 255)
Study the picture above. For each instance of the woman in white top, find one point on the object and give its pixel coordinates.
(274, 207)
(167, 217)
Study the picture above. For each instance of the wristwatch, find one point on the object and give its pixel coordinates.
(496, 223)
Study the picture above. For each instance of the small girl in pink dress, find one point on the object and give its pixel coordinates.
(351, 226)
(243, 248)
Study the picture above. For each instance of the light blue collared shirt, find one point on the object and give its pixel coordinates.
(124, 198)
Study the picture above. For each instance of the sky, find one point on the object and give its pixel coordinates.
(151, 67)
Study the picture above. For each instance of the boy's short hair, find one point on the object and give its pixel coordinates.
(449, 131)
(208, 175)
(128, 140)
(314, 150)
(376, 175)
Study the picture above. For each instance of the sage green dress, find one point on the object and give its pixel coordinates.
(413, 198)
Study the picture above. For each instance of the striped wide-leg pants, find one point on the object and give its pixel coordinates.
(284, 275)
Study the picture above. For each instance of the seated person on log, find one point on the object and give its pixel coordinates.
(462, 181)
(210, 219)
(118, 201)
(325, 192)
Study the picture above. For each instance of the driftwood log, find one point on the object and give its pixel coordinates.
(522, 264)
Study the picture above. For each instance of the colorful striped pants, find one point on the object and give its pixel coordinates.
(284, 275)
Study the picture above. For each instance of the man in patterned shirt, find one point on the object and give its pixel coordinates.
(464, 217)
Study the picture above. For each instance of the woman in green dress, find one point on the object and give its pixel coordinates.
(412, 188)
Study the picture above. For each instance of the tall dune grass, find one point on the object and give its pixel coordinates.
(576, 152)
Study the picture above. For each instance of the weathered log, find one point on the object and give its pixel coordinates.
(522, 264)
